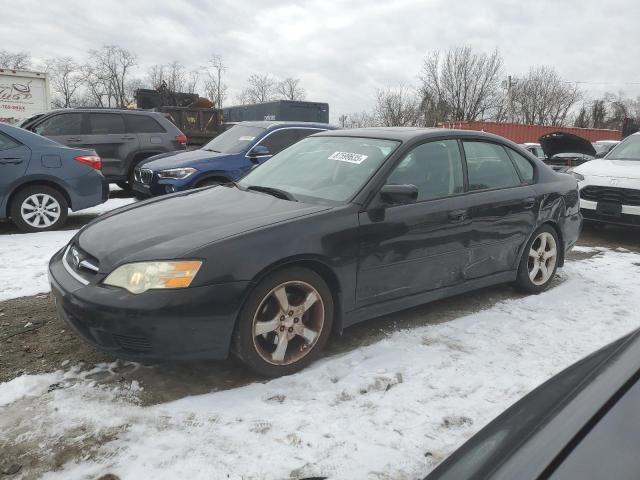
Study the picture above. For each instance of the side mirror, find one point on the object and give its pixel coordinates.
(259, 151)
(600, 154)
(399, 194)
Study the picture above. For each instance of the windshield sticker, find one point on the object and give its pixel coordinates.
(348, 157)
(245, 139)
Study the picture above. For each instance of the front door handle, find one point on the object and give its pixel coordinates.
(528, 203)
(455, 216)
(73, 139)
(127, 138)
(10, 160)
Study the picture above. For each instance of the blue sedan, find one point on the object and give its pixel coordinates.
(40, 180)
(228, 157)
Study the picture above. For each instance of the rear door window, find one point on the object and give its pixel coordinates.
(143, 124)
(280, 139)
(524, 166)
(106, 124)
(62, 124)
(489, 166)
(6, 142)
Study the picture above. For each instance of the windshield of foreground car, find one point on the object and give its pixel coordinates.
(234, 140)
(629, 149)
(329, 170)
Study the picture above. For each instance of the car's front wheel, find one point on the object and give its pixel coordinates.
(39, 208)
(539, 261)
(285, 322)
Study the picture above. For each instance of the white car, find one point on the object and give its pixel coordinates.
(610, 186)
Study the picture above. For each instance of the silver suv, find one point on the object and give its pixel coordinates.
(122, 138)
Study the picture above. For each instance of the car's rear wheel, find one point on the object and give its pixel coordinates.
(39, 208)
(539, 261)
(285, 322)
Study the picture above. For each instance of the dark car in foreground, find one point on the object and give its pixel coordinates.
(584, 423)
(40, 180)
(341, 227)
(226, 158)
(123, 138)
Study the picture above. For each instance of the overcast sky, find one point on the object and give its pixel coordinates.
(341, 50)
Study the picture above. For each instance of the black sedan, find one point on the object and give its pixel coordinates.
(584, 423)
(339, 228)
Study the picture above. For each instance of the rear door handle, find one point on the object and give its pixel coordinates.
(457, 215)
(10, 160)
(528, 203)
(73, 139)
(127, 138)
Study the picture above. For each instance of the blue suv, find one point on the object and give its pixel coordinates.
(228, 157)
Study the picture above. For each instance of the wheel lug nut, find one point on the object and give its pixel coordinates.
(282, 328)
(296, 320)
(290, 312)
(290, 329)
(282, 318)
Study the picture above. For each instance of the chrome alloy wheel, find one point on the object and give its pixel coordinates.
(40, 210)
(543, 257)
(288, 323)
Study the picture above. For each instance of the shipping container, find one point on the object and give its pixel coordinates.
(284, 110)
(520, 133)
(22, 95)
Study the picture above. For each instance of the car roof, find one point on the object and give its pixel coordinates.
(266, 124)
(104, 110)
(405, 134)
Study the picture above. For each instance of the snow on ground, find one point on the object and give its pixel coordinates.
(389, 410)
(24, 256)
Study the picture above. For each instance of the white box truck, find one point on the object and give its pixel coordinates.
(23, 94)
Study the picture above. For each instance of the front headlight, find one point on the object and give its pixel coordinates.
(575, 174)
(143, 276)
(176, 173)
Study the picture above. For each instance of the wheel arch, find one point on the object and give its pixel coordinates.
(315, 264)
(211, 176)
(33, 182)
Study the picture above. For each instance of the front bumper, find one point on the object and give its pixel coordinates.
(184, 324)
(156, 186)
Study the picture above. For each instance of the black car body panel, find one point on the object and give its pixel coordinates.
(563, 150)
(534, 437)
(362, 249)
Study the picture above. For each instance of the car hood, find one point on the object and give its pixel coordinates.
(171, 226)
(603, 167)
(560, 142)
(189, 158)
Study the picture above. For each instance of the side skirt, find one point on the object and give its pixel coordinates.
(403, 303)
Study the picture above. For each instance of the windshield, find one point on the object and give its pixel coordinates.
(629, 149)
(328, 170)
(234, 140)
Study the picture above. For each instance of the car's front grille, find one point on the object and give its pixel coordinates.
(134, 344)
(623, 196)
(145, 176)
(80, 264)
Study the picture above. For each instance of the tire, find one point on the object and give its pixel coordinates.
(539, 261)
(210, 182)
(306, 320)
(39, 208)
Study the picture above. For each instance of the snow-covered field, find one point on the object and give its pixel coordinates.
(23, 257)
(389, 410)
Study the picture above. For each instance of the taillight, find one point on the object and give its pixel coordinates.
(93, 161)
(181, 139)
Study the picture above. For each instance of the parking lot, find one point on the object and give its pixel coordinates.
(464, 359)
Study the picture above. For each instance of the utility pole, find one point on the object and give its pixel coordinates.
(509, 99)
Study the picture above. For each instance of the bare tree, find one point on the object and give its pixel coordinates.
(111, 66)
(214, 85)
(397, 107)
(175, 76)
(467, 83)
(156, 76)
(598, 114)
(259, 89)
(357, 120)
(290, 89)
(15, 61)
(66, 80)
(583, 117)
(543, 98)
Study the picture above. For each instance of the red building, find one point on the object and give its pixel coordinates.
(520, 133)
